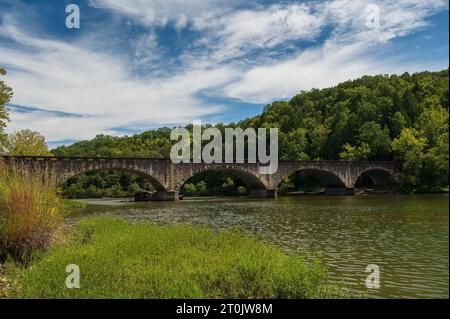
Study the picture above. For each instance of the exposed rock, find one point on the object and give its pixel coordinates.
(144, 196)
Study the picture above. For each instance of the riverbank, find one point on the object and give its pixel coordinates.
(118, 259)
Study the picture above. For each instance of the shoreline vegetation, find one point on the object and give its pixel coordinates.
(119, 259)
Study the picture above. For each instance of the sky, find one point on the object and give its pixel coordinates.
(142, 64)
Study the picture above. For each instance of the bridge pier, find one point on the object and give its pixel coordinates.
(263, 193)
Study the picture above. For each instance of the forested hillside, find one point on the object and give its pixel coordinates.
(397, 117)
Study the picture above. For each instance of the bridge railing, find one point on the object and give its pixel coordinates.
(168, 159)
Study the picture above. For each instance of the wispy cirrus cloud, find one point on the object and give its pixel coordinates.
(240, 51)
(160, 13)
(241, 32)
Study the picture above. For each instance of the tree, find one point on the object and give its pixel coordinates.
(5, 96)
(377, 139)
(434, 173)
(241, 190)
(201, 188)
(358, 153)
(398, 123)
(26, 142)
(189, 189)
(410, 148)
(433, 125)
(318, 139)
(296, 145)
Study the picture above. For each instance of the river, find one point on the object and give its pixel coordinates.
(406, 236)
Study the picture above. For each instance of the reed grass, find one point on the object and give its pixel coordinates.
(30, 211)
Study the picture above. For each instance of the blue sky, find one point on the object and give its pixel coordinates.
(136, 65)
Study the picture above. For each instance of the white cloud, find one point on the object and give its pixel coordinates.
(65, 78)
(242, 31)
(79, 78)
(162, 12)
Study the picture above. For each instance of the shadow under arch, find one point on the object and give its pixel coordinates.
(375, 178)
(312, 179)
(155, 183)
(251, 182)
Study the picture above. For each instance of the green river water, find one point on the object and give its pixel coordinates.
(405, 235)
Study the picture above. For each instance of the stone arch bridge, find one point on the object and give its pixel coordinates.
(168, 178)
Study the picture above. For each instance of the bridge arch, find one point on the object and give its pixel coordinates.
(325, 178)
(158, 185)
(378, 176)
(251, 181)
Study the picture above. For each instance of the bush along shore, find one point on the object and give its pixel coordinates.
(117, 259)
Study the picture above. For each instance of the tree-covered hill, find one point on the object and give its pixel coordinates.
(400, 117)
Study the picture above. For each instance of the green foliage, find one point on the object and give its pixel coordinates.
(398, 123)
(214, 183)
(201, 188)
(410, 147)
(26, 142)
(432, 124)
(122, 260)
(358, 153)
(377, 140)
(6, 94)
(69, 204)
(148, 144)
(424, 151)
(105, 184)
(241, 190)
(189, 190)
(300, 181)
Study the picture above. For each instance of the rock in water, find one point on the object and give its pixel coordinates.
(143, 196)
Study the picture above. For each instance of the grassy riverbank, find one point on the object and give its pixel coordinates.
(122, 260)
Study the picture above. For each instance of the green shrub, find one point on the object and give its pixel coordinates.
(29, 212)
(122, 260)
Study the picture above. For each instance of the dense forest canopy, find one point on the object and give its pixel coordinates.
(396, 117)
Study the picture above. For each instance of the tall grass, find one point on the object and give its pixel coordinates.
(29, 211)
(117, 259)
